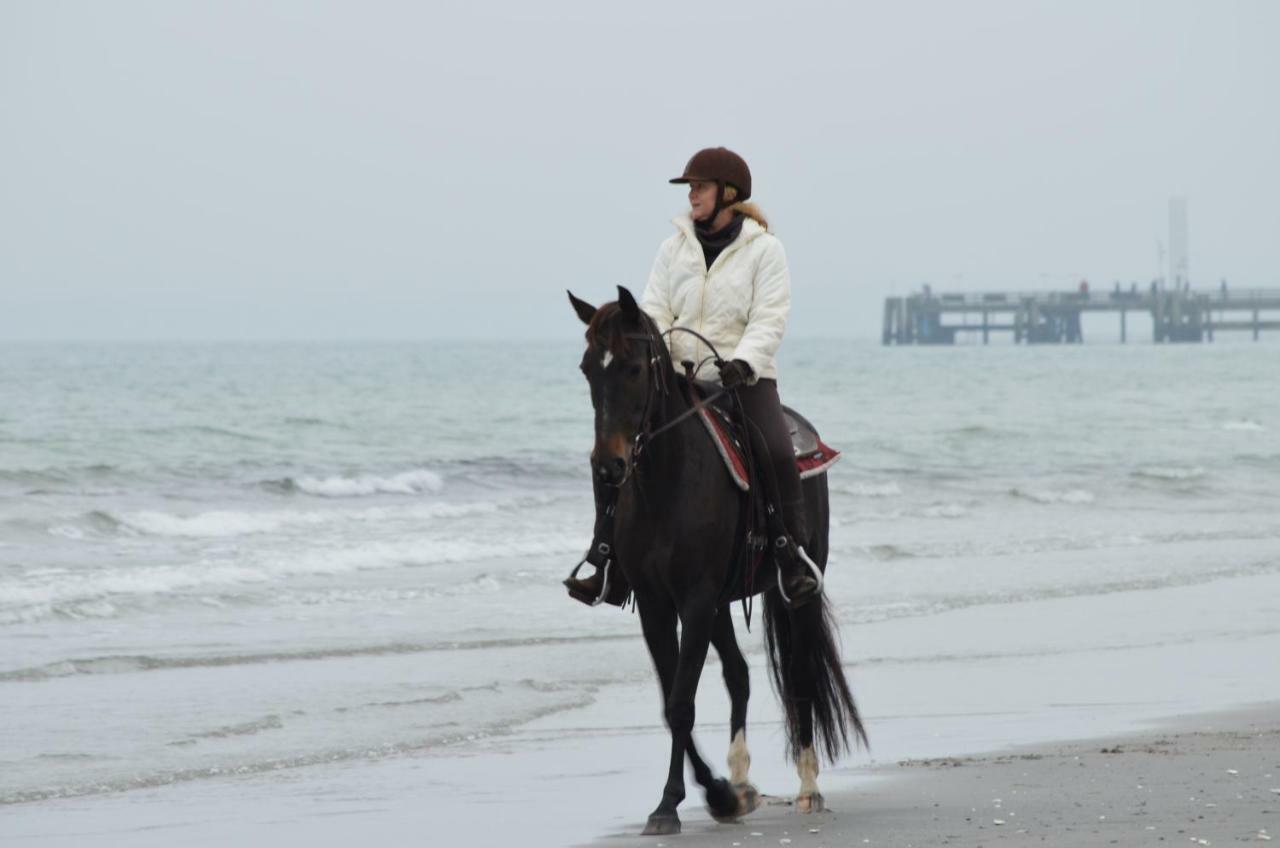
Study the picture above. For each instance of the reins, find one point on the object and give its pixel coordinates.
(646, 435)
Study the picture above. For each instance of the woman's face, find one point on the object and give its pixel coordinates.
(702, 199)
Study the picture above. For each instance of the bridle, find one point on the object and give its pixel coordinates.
(658, 387)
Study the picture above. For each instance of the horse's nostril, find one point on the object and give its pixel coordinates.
(611, 470)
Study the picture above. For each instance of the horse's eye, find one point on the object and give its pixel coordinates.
(633, 371)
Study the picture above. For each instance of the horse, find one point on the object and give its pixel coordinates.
(676, 520)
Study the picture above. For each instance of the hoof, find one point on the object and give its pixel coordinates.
(811, 803)
(748, 798)
(723, 802)
(662, 824)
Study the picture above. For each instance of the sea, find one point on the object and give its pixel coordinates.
(228, 560)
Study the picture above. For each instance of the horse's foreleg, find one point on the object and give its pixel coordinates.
(691, 655)
(697, 625)
(658, 622)
(738, 683)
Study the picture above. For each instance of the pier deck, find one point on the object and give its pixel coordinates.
(1048, 317)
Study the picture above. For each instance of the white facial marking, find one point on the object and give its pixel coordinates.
(606, 359)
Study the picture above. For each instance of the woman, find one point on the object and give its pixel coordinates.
(724, 275)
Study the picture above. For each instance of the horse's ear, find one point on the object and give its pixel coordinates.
(585, 310)
(627, 303)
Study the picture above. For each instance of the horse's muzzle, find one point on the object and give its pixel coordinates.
(612, 470)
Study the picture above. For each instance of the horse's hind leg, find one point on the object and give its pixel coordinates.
(809, 799)
(738, 682)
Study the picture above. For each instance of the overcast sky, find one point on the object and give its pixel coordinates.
(286, 170)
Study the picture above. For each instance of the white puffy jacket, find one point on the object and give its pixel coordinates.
(740, 303)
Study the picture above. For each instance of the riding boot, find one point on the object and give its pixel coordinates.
(799, 579)
(606, 584)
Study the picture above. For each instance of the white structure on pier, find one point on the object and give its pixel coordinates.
(1179, 268)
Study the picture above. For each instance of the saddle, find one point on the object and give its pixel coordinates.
(813, 456)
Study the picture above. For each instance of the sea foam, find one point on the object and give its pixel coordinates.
(1243, 424)
(1051, 496)
(405, 483)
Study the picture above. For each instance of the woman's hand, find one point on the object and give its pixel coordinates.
(734, 374)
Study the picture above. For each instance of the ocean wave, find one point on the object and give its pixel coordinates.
(422, 552)
(414, 482)
(229, 523)
(202, 430)
(106, 594)
(861, 613)
(215, 524)
(53, 476)
(885, 553)
(1051, 496)
(945, 510)
(1244, 425)
(312, 421)
(996, 546)
(1169, 474)
(247, 728)
(134, 663)
(447, 697)
(888, 489)
(101, 593)
(981, 431)
(518, 713)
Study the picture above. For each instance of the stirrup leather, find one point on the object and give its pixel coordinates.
(781, 543)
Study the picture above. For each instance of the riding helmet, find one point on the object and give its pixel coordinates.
(720, 165)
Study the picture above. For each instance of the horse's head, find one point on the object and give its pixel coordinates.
(622, 361)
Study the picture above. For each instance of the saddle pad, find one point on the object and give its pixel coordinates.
(813, 456)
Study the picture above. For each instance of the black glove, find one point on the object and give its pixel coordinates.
(734, 374)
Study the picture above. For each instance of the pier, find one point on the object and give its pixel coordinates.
(1049, 317)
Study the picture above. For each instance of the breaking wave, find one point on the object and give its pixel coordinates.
(1050, 496)
(413, 482)
(887, 489)
(1171, 474)
(228, 523)
(82, 594)
(129, 664)
(1243, 424)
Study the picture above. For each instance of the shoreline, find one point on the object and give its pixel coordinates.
(1203, 779)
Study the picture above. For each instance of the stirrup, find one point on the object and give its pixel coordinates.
(572, 582)
(813, 567)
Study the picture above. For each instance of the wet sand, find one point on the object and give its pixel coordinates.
(1211, 779)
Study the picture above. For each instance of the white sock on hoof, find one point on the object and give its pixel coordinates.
(739, 759)
(807, 768)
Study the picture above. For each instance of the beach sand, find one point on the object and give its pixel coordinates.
(1027, 682)
(1203, 780)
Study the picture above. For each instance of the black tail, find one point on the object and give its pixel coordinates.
(804, 662)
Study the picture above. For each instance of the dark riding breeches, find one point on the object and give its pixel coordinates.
(764, 408)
